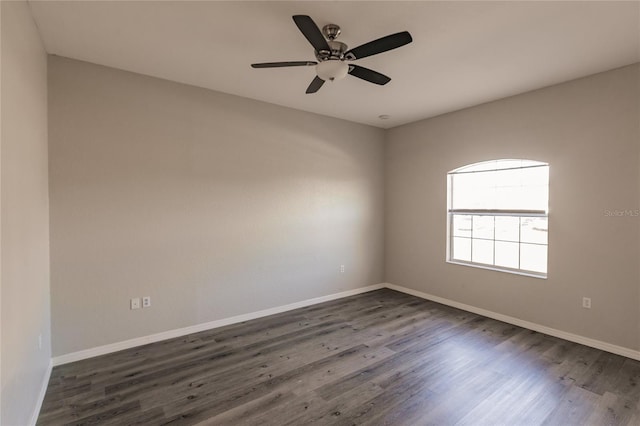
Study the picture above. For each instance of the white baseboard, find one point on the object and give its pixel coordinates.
(41, 394)
(608, 347)
(126, 344)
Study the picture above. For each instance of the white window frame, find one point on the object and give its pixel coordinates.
(494, 213)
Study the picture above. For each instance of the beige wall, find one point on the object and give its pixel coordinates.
(211, 204)
(588, 131)
(25, 216)
(215, 205)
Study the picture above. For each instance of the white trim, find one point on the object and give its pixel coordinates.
(138, 341)
(127, 344)
(608, 347)
(499, 268)
(41, 394)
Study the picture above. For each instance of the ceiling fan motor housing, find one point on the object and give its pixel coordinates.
(336, 51)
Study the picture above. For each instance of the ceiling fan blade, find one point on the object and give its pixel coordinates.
(380, 45)
(315, 85)
(311, 31)
(284, 64)
(368, 75)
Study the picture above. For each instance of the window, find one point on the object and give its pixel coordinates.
(497, 216)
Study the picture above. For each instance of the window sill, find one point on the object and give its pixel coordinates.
(498, 269)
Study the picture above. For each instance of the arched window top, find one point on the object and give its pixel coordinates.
(498, 215)
(508, 185)
(493, 165)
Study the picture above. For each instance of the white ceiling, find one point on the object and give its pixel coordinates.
(463, 54)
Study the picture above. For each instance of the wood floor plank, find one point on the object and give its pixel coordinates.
(531, 398)
(377, 358)
(331, 412)
(431, 407)
(394, 395)
(212, 401)
(628, 380)
(107, 416)
(613, 410)
(574, 408)
(243, 414)
(602, 374)
(286, 412)
(262, 367)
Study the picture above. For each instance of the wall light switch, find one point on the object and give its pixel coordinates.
(146, 301)
(586, 302)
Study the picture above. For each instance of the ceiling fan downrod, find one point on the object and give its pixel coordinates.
(336, 48)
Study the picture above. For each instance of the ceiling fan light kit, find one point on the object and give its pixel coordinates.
(332, 69)
(332, 55)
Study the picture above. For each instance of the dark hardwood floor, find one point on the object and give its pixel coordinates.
(379, 358)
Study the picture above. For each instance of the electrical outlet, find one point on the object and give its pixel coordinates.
(342, 269)
(146, 302)
(135, 303)
(586, 302)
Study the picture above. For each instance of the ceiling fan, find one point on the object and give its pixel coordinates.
(332, 55)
